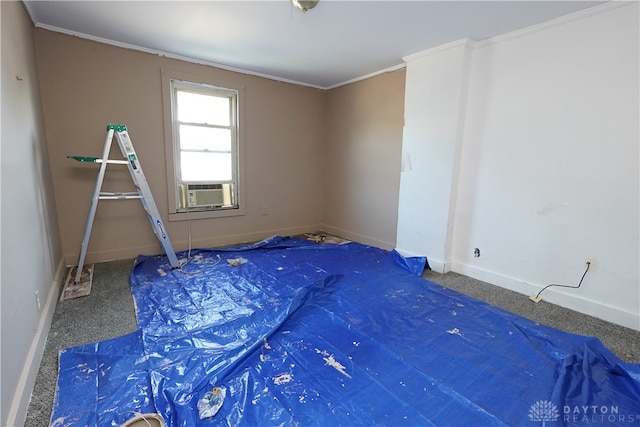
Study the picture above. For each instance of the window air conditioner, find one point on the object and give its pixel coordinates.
(203, 195)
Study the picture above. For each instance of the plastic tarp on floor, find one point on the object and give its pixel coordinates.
(300, 333)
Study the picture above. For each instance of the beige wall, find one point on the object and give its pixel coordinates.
(317, 159)
(362, 159)
(32, 265)
(86, 85)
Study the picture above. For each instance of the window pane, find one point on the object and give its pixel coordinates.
(202, 138)
(205, 167)
(199, 108)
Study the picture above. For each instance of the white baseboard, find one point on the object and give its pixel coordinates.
(360, 238)
(22, 396)
(562, 298)
(181, 244)
(237, 239)
(437, 265)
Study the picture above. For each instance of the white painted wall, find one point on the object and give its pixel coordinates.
(31, 253)
(549, 164)
(435, 103)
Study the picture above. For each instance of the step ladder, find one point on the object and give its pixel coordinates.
(78, 281)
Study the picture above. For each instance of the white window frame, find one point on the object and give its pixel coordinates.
(200, 84)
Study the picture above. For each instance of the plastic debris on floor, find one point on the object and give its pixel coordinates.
(300, 333)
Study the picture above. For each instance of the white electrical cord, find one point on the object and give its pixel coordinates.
(189, 227)
(189, 250)
(189, 240)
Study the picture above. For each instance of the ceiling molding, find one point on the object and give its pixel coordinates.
(208, 63)
(171, 55)
(367, 76)
(462, 42)
(572, 17)
(285, 62)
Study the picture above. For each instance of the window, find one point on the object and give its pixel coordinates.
(204, 149)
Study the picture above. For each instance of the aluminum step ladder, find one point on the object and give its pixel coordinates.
(78, 281)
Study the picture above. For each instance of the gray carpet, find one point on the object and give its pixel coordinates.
(624, 342)
(108, 312)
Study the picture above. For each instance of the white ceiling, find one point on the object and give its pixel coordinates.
(337, 42)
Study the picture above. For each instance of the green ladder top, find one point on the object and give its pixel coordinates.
(117, 128)
(84, 159)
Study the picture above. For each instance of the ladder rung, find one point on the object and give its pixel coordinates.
(113, 162)
(117, 196)
(85, 159)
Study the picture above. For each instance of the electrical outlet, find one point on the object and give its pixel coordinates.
(592, 263)
(38, 305)
(476, 253)
(265, 210)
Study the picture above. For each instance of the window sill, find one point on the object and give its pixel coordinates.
(184, 216)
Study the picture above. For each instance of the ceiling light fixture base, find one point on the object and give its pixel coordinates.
(304, 5)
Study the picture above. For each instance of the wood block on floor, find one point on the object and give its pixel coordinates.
(82, 288)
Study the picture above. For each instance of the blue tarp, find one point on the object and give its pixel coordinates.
(307, 334)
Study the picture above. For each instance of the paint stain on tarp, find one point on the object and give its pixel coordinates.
(331, 361)
(282, 378)
(455, 331)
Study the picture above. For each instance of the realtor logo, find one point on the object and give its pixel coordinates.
(544, 411)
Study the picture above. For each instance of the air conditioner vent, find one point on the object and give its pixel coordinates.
(195, 196)
(204, 186)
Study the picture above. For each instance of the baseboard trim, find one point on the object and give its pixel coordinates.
(234, 239)
(435, 264)
(439, 265)
(562, 298)
(360, 238)
(22, 396)
(181, 245)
